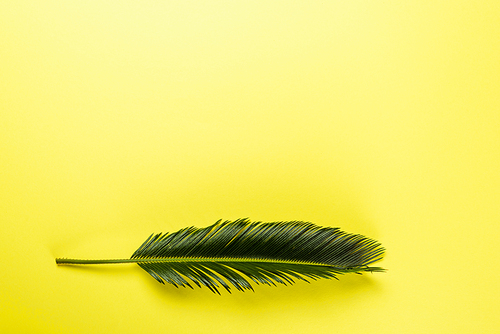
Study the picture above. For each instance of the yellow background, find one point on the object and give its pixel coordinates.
(120, 119)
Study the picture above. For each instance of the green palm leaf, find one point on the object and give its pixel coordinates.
(240, 252)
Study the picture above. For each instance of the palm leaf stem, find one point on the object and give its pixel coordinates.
(63, 261)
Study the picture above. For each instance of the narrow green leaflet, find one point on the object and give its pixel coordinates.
(237, 253)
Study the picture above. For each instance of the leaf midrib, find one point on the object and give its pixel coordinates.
(61, 261)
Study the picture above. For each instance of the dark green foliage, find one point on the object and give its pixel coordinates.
(239, 252)
(268, 253)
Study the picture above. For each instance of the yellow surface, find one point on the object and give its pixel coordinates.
(119, 119)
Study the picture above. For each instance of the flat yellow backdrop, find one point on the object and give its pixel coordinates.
(123, 118)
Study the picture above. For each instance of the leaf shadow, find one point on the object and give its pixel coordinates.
(116, 270)
(349, 287)
(322, 294)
